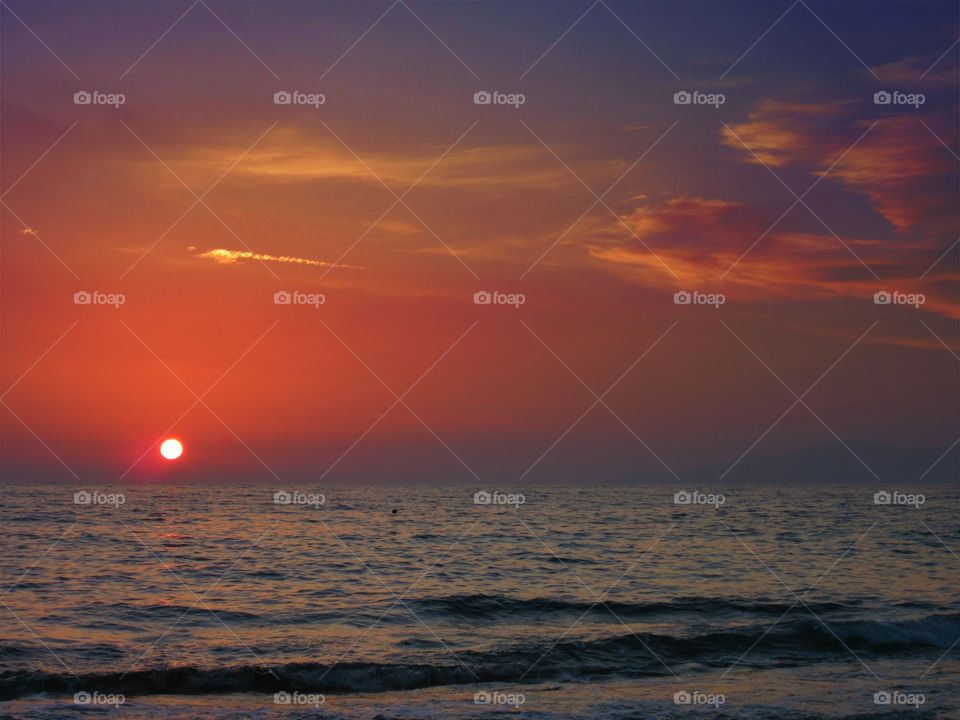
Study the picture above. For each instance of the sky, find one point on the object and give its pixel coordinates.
(782, 199)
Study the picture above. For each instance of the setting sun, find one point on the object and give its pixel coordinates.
(171, 449)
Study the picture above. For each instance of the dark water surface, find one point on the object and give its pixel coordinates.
(615, 602)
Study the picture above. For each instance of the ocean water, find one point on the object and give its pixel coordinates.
(411, 602)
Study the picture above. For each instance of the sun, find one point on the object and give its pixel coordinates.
(171, 448)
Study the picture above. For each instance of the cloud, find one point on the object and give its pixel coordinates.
(900, 166)
(700, 240)
(294, 155)
(231, 257)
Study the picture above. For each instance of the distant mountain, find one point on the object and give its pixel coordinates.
(834, 463)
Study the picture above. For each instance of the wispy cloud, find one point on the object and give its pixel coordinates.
(231, 257)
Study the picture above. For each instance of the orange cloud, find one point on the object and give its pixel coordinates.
(901, 165)
(230, 257)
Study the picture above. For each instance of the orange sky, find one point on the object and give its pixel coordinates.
(398, 199)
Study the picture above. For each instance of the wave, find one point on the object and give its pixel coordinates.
(480, 606)
(802, 642)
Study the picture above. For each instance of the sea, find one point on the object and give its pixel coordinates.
(227, 601)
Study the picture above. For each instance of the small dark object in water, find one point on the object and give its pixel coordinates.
(393, 512)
